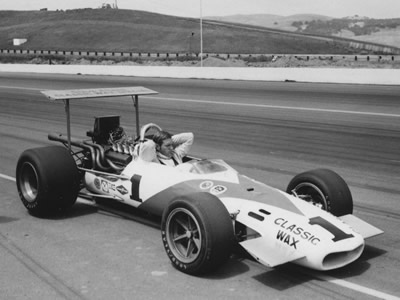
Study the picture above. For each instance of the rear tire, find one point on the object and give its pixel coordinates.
(323, 188)
(197, 233)
(47, 180)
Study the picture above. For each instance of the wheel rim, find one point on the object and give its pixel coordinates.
(312, 194)
(29, 182)
(183, 235)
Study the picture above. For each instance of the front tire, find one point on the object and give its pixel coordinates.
(197, 233)
(323, 188)
(47, 180)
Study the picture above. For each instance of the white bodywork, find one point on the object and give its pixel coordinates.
(280, 227)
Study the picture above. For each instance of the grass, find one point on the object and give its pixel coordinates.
(138, 31)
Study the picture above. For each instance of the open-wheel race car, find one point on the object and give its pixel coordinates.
(206, 207)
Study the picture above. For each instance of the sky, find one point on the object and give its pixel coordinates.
(378, 9)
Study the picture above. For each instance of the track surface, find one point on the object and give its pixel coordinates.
(270, 131)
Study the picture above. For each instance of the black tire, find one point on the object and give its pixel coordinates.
(323, 188)
(197, 233)
(47, 180)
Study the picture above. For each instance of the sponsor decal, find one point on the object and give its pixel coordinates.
(107, 186)
(135, 180)
(291, 232)
(335, 231)
(338, 234)
(218, 189)
(205, 185)
(97, 183)
(215, 190)
(104, 186)
(122, 190)
(287, 239)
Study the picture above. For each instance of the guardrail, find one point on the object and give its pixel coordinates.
(148, 55)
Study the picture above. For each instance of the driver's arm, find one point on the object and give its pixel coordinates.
(147, 151)
(183, 142)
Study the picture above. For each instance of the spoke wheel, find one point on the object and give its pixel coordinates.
(184, 235)
(197, 233)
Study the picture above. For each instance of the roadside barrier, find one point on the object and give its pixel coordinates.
(148, 55)
(323, 75)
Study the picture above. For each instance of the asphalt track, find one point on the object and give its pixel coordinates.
(269, 131)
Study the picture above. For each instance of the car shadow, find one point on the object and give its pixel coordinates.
(107, 207)
(77, 210)
(121, 210)
(232, 268)
(371, 252)
(283, 277)
(4, 219)
(290, 275)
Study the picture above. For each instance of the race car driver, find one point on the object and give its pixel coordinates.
(172, 148)
(166, 149)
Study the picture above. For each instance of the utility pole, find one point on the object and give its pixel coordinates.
(201, 33)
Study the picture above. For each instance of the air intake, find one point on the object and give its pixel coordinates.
(339, 259)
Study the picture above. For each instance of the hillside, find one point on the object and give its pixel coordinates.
(139, 31)
(380, 31)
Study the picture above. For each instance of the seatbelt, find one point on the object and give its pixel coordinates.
(173, 159)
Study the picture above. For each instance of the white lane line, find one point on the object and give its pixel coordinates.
(279, 107)
(340, 282)
(352, 286)
(7, 177)
(352, 112)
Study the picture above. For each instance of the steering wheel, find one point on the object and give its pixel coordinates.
(146, 128)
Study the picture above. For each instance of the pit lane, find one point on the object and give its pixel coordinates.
(269, 131)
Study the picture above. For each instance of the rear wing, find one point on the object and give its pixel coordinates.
(97, 93)
(67, 95)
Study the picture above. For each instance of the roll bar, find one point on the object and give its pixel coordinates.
(67, 95)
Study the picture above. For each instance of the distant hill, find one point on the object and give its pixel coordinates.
(271, 21)
(380, 31)
(139, 31)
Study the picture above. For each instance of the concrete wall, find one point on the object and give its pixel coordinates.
(319, 75)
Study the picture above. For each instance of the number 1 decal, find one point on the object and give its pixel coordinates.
(338, 234)
(135, 187)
